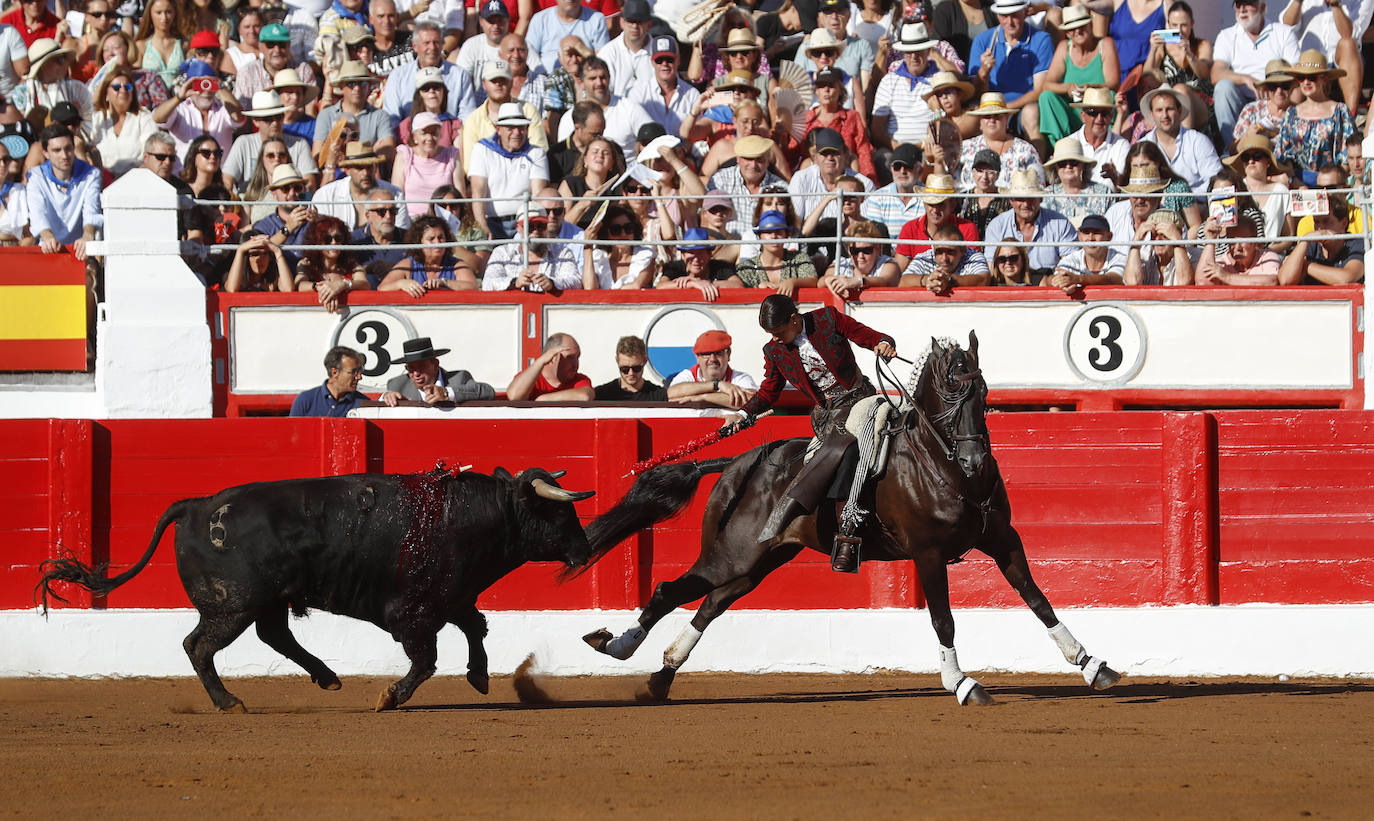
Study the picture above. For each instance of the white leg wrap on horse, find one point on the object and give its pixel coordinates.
(1091, 665)
(676, 654)
(1068, 645)
(624, 645)
(950, 674)
(964, 688)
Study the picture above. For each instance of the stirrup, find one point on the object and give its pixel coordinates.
(845, 555)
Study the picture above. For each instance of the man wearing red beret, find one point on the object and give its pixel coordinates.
(712, 379)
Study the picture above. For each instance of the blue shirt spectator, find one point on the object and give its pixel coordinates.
(1050, 226)
(1013, 70)
(339, 393)
(63, 196)
(427, 41)
(550, 26)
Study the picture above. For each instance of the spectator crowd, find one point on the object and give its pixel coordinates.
(569, 146)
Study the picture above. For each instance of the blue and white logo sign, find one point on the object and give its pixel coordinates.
(671, 333)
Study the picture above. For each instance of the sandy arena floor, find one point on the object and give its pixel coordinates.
(727, 746)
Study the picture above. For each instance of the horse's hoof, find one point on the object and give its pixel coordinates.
(978, 696)
(660, 683)
(233, 706)
(598, 639)
(479, 681)
(1106, 677)
(386, 701)
(328, 683)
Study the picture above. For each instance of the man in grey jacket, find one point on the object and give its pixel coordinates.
(425, 381)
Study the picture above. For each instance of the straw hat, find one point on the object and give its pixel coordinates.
(938, 187)
(1069, 149)
(1184, 107)
(753, 147)
(266, 103)
(743, 80)
(43, 50)
(741, 39)
(1311, 63)
(1145, 179)
(1096, 97)
(284, 175)
(353, 71)
(1276, 71)
(914, 37)
(1024, 183)
(1075, 17)
(511, 114)
(819, 39)
(359, 154)
(991, 104)
(357, 35)
(1253, 141)
(1009, 6)
(948, 79)
(290, 78)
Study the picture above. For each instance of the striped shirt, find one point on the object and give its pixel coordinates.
(886, 207)
(902, 99)
(1076, 262)
(924, 263)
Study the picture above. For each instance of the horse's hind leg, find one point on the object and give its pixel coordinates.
(717, 602)
(1006, 549)
(930, 566)
(274, 632)
(667, 597)
(212, 634)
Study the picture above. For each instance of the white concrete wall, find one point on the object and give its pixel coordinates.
(1259, 640)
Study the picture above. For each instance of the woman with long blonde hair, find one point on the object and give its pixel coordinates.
(158, 41)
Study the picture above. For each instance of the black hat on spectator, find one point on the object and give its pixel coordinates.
(1095, 222)
(64, 113)
(987, 158)
(828, 76)
(493, 8)
(833, 5)
(906, 153)
(828, 138)
(649, 132)
(419, 349)
(636, 11)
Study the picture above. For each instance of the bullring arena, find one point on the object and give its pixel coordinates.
(1209, 537)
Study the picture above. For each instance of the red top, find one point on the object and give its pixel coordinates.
(47, 25)
(850, 126)
(916, 230)
(543, 386)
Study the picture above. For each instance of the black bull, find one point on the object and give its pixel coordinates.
(408, 553)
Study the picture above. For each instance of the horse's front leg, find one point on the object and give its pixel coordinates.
(667, 597)
(1003, 543)
(930, 566)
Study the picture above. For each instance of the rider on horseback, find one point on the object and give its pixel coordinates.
(812, 352)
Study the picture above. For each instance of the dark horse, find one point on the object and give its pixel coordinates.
(940, 495)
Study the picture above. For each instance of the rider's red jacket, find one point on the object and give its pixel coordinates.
(830, 331)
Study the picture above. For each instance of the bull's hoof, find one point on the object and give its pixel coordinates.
(386, 701)
(480, 682)
(660, 683)
(233, 706)
(597, 640)
(330, 682)
(978, 696)
(1106, 677)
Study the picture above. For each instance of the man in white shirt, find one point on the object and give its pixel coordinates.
(624, 116)
(810, 185)
(359, 164)
(506, 167)
(712, 379)
(494, 21)
(666, 97)
(427, 42)
(64, 196)
(900, 111)
(549, 268)
(1100, 143)
(628, 54)
(1191, 155)
(1239, 57)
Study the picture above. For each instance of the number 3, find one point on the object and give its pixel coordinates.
(381, 360)
(1108, 329)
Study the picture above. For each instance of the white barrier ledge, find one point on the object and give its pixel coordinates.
(1261, 640)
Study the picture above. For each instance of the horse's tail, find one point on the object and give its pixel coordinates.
(72, 571)
(658, 494)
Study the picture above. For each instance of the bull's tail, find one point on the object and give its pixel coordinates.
(72, 571)
(657, 494)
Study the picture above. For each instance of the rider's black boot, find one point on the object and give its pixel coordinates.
(784, 512)
(844, 556)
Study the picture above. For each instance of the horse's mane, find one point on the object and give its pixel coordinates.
(922, 367)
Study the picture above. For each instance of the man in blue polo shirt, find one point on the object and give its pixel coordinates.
(339, 393)
(1014, 59)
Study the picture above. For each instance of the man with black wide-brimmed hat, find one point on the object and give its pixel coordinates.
(425, 381)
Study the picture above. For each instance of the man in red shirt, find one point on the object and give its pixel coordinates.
(553, 377)
(941, 209)
(32, 20)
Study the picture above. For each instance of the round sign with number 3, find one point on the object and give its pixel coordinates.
(1105, 343)
(378, 333)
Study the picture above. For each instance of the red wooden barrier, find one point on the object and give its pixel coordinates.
(1116, 509)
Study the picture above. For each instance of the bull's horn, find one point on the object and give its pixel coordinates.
(558, 494)
(557, 474)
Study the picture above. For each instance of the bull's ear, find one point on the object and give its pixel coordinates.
(973, 343)
(501, 473)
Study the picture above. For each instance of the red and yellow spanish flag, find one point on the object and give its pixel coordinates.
(42, 311)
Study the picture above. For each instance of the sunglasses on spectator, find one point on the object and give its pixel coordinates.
(556, 211)
(210, 152)
(619, 229)
(1097, 112)
(825, 52)
(276, 45)
(386, 209)
(129, 87)
(635, 189)
(1070, 164)
(631, 368)
(354, 83)
(1279, 86)
(900, 166)
(274, 118)
(277, 155)
(665, 61)
(335, 239)
(1007, 260)
(162, 157)
(1254, 156)
(862, 249)
(719, 210)
(100, 14)
(294, 188)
